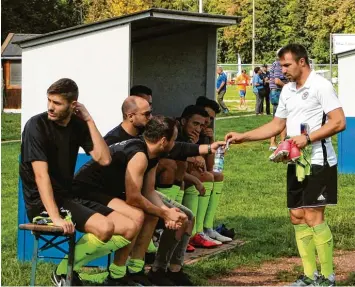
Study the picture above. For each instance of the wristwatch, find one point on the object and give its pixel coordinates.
(209, 149)
(308, 139)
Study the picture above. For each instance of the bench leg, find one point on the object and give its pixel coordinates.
(34, 261)
(71, 254)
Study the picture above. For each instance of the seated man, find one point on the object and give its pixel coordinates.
(207, 137)
(50, 144)
(135, 113)
(198, 184)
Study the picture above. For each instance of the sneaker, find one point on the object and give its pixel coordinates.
(190, 248)
(215, 235)
(303, 280)
(226, 111)
(159, 278)
(322, 281)
(201, 240)
(223, 230)
(211, 239)
(282, 152)
(59, 280)
(272, 148)
(139, 277)
(180, 278)
(124, 281)
(294, 153)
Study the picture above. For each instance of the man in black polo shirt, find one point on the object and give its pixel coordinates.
(50, 144)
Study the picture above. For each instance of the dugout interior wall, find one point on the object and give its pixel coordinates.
(172, 52)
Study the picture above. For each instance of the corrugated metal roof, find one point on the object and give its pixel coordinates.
(140, 20)
(13, 50)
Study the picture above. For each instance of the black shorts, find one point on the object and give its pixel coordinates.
(317, 189)
(81, 210)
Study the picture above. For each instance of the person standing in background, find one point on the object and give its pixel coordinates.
(221, 88)
(242, 83)
(265, 76)
(259, 91)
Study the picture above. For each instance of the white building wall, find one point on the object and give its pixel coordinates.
(346, 66)
(98, 62)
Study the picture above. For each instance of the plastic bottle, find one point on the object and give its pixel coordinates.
(219, 160)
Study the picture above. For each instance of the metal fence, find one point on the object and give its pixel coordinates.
(321, 69)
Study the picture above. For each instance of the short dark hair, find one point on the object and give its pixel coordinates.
(297, 50)
(256, 69)
(191, 110)
(65, 87)
(159, 127)
(205, 102)
(265, 65)
(140, 90)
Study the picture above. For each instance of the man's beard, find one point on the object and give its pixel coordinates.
(62, 116)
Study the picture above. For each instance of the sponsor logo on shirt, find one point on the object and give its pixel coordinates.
(305, 95)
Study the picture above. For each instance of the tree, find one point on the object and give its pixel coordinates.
(38, 16)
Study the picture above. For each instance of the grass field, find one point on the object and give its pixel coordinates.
(253, 203)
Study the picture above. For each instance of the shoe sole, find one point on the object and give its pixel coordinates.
(279, 156)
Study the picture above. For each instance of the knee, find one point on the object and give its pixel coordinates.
(297, 218)
(218, 176)
(207, 177)
(131, 229)
(105, 230)
(139, 217)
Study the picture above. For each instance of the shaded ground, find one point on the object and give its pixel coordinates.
(282, 271)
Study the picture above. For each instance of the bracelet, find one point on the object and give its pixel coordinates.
(209, 149)
(308, 139)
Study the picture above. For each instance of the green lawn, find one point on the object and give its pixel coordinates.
(10, 126)
(253, 203)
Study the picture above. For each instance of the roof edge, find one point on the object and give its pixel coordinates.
(125, 19)
(7, 41)
(341, 54)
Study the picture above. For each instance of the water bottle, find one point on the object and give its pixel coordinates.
(219, 160)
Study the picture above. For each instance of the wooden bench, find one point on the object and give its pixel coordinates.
(39, 231)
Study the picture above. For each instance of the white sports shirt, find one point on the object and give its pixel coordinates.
(309, 104)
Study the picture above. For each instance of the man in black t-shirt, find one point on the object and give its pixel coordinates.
(131, 176)
(50, 144)
(207, 136)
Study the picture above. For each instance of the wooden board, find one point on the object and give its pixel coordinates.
(201, 253)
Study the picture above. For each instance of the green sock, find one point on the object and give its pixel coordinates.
(135, 265)
(170, 192)
(152, 248)
(306, 248)
(117, 272)
(88, 248)
(213, 204)
(179, 196)
(203, 201)
(190, 200)
(323, 240)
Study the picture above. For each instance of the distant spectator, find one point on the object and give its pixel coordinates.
(259, 91)
(242, 83)
(265, 76)
(221, 88)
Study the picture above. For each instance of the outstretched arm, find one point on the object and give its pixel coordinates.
(266, 131)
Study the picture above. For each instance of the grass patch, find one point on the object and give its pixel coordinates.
(253, 203)
(10, 127)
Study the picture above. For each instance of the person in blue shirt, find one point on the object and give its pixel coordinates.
(259, 90)
(221, 88)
